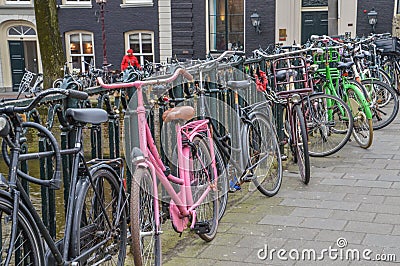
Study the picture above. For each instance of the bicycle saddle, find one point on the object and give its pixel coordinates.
(178, 113)
(342, 65)
(282, 74)
(238, 84)
(89, 115)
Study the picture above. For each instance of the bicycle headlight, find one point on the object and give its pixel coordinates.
(4, 126)
(296, 98)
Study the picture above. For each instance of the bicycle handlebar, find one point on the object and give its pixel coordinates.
(81, 95)
(258, 52)
(140, 83)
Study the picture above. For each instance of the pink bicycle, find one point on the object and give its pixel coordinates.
(196, 200)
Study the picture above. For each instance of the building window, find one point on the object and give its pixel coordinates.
(142, 44)
(18, 2)
(80, 50)
(21, 31)
(136, 3)
(398, 7)
(226, 21)
(311, 3)
(76, 3)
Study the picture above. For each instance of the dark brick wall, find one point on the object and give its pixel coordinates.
(385, 16)
(117, 21)
(266, 10)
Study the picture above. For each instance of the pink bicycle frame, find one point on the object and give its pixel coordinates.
(184, 199)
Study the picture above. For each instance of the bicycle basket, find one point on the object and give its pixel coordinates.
(389, 45)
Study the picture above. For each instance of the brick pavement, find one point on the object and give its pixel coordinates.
(353, 194)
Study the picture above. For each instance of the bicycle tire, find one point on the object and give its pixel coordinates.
(31, 251)
(90, 222)
(329, 124)
(146, 242)
(260, 139)
(363, 131)
(385, 104)
(222, 183)
(390, 69)
(301, 144)
(201, 176)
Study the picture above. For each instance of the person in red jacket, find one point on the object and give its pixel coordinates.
(129, 60)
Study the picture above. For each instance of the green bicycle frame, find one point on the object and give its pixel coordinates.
(333, 80)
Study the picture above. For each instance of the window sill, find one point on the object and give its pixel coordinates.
(138, 4)
(75, 6)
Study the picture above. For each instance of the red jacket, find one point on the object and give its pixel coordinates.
(129, 60)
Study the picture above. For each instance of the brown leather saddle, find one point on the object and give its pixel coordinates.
(184, 113)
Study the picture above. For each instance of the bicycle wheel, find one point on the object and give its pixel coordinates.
(301, 144)
(201, 177)
(146, 240)
(384, 103)
(222, 183)
(329, 124)
(27, 249)
(100, 236)
(363, 131)
(262, 148)
(390, 68)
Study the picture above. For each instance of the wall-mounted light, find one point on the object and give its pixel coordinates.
(372, 18)
(255, 21)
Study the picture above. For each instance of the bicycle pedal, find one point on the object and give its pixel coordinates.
(248, 178)
(202, 227)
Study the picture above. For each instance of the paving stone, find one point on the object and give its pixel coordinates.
(332, 236)
(281, 220)
(385, 191)
(382, 240)
(396, 185)
(355, 190)
(338, 205)
(294, 233)
(226, 239)
(396, 230)
(311, 212)
(379, 208)
(225, 253)
(367, 183)
(353, 215)
(259, 241)
(362, 176)
(364, 198)
(256, 257)
(313, 195)
(367, 227)
(188, 261)
(323, 223)
(385, 218)
(338, 182)
(372, 155)
(300, 203)
(391, 178)
(252, 229)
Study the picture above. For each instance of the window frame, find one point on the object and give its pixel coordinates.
(137, 3)
(76, 4)
(140, 55)
(83, 66)
(19, 2)
(212, 21)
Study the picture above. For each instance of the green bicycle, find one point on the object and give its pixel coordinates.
(335, 82)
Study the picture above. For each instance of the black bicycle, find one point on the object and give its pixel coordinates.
(96, 215)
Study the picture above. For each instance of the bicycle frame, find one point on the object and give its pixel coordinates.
(18, 193)
(183, 200)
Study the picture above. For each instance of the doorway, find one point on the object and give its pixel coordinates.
(313, 22)
(23, 55)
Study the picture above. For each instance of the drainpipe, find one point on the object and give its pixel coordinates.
(333, 17)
